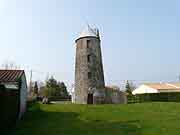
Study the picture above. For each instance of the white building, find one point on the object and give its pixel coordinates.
(157, 88)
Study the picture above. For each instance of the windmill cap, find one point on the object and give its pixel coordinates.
(89, 32)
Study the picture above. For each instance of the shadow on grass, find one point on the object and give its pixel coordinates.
(38, 122)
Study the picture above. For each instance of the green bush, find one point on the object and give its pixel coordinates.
(154, 97)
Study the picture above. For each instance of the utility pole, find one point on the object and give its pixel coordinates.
(30, 83)
(30, 76)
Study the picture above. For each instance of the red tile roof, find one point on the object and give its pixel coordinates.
(10, 75)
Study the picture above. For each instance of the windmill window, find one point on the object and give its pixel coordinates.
(89, 75)
(89, 58)
(88, 43)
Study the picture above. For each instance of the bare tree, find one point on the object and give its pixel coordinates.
(10, 65)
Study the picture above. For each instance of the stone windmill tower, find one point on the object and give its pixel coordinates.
(89, 76)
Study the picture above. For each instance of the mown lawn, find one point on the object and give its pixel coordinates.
(132, 119)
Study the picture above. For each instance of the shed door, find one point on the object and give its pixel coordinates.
(90, 99)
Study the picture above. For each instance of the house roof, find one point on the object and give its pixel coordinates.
(164, 86)
(10, 75)
(176, 84)
(157, 88)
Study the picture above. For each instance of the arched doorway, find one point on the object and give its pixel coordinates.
(90, 99)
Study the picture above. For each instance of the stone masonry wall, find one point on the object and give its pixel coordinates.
(83, 67)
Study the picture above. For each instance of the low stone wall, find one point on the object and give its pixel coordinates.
(115, 96)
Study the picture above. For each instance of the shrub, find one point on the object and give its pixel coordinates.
(154, 97)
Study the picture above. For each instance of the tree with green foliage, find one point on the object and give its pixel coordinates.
(35, 89)
(63, 90)
(129, 87)
(54, 88)
(50, 87)
(49, 92)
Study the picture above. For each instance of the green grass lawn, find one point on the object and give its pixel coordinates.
(131, 119)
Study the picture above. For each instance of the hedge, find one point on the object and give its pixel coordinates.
(154, 97)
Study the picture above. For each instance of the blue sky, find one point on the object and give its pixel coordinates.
(140, 39)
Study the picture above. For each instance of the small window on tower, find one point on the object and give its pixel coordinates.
(89, 75)
(89, 58)
(88, 43)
